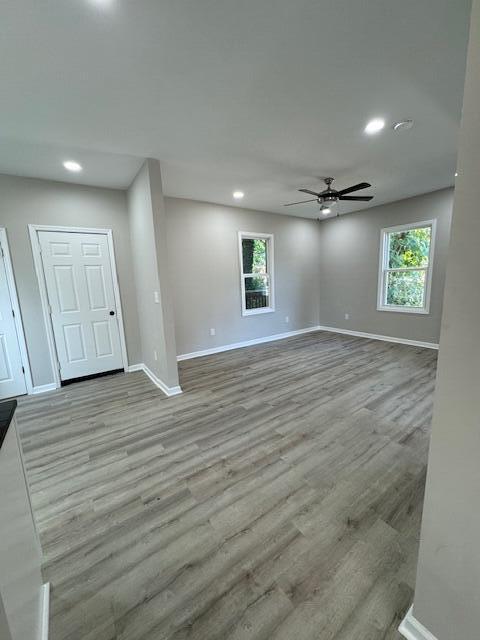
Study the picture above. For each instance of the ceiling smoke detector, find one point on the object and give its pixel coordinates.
(403, 125)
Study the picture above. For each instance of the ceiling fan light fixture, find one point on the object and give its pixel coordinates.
(325, 210)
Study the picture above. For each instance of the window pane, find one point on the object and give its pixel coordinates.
(409, 248)
(406, 288)
(254, 254)
(257, 292)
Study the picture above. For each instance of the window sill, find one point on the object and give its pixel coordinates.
(422, 312)
(256, 312)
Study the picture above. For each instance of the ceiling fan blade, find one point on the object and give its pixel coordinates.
(301, 202)
(312, 193)
(355, 187)
(359, 198)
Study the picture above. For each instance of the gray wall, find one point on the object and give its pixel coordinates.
(349, 255)
(26, 201)
(4, 628)
(148, 240)
(447, 597)
(205, 273)
(320, 273)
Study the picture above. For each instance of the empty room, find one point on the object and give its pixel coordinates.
(239, 303)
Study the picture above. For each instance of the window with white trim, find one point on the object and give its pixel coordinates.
(405, 268)
(256, 272)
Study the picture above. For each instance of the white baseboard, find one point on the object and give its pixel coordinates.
(45, 611)
(135, 367)
(412, 629)
(168, 391)
(245, 343)
(44, 388)
(289, 334)
(374, 336)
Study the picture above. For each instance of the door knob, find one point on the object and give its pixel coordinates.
(112, 313)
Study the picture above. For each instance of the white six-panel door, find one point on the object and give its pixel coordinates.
(12, 377)
(79, 283)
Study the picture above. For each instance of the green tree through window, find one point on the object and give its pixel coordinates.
(255, 272)
(410, 248)
(406, 267)
(254, 255)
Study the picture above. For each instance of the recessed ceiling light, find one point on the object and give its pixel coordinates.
(71, 165)
(456, 174)
(403, 125)
(238, 195)
(101, 3)
(375, 125)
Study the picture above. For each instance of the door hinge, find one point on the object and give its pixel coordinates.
(13, 313)
(23, 370)
(49, 309)
(2, 251)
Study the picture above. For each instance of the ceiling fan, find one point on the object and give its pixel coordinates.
(330, 196)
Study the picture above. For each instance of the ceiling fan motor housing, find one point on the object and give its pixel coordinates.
(329, 197)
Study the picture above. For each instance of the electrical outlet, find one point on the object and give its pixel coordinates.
(287, 319)
(155, 356)
(212, 331)
(156, 297)
(347, 316)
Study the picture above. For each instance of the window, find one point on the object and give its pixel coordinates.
(256, 268)
(405, 274)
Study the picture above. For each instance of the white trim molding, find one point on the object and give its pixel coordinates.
(268, 237)
(290, 334)
(412, 629)
(383, 268)
(374, 336)
(168, 391)
(45, 388)
(245, 343)
(45, 611)
(33, 230)
(135, 367)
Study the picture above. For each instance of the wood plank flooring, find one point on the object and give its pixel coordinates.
(278, 498)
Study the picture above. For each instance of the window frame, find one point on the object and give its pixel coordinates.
(383, 268)
(252, 235)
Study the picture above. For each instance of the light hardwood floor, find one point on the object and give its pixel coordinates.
(278, 498)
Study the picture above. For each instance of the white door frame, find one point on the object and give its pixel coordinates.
(33, 230)
(16, 310)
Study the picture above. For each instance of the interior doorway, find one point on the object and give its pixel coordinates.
(15, 379)
(81, 300)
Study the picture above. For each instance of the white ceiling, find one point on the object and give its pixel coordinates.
(260, 95)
